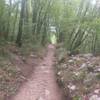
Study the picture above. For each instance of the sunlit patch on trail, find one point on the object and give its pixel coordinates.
(47, 92)
(42, 67)
(46, 71)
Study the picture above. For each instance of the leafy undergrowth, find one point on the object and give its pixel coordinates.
(15, 66)
(79, 75)
(9, 78)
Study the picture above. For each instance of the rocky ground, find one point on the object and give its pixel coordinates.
(79, 75)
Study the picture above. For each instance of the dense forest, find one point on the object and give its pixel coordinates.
(75, 23)
(30, 25)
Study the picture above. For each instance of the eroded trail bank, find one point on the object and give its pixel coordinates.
(42, 85)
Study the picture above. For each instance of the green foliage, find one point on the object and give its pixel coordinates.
(78, 26)
(76, 22)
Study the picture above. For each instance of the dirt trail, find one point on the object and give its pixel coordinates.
(42, 84)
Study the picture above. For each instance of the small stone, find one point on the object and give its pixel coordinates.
(76, 73)
(97, 69)
(59, 73)
(70, 61)
(97, 91)
(33, 56)
(72, 87)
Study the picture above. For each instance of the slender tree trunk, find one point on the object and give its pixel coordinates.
(14, 23)
(20, 31)
(8, 23)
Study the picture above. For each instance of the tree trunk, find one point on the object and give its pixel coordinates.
(19, 36)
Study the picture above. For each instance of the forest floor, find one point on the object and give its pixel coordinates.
(42, 84)
(37, 75)
(79, 74)
(16, 67)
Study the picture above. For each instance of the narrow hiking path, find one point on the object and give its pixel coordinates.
(42, 84)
